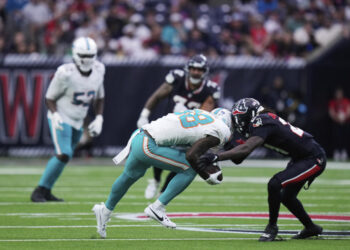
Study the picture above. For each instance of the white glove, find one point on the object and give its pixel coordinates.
(95, 127)
(213, 178)
(143, 119)
(179, 107)
(56, 121)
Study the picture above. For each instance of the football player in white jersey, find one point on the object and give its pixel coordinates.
(186, 88)
(152, 146)
(71, 91)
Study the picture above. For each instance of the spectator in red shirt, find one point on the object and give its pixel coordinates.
(339, 111)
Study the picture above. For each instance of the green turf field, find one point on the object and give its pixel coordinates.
(71, 225)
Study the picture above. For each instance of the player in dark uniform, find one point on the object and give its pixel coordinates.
(186, 88)
(308, 160)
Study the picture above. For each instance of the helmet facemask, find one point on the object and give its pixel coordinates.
(84, 52)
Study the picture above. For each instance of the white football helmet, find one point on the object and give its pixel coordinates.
(84, 50)
(223, 115)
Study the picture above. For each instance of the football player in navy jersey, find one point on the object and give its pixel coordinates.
(308, 160)
(186, 88)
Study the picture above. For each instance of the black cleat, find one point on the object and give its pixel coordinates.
(38, 195)
(270, 233)
(42, 194)
(307, 232)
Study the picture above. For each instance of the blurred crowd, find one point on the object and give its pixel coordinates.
(149, 28)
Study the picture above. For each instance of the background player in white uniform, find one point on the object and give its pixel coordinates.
(72, 89)
(186, 88)
(152, 146)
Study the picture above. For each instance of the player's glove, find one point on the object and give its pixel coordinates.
(95, 126)
(143, 119)
(56, 121)
(207, 159)
(213, 178)
(179, 107)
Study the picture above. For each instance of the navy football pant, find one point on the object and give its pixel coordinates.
(284, 187)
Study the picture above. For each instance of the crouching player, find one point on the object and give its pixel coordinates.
(308, 160)
(152, 145)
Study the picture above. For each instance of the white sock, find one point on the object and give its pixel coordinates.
(158, 205)
(106, 210)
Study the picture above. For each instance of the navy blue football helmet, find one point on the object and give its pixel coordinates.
(197, 62)
(243, 111)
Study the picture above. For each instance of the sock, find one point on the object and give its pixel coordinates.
(119, 188)
(52, 171)
(158, 205)
(157, 173)
(168, 179)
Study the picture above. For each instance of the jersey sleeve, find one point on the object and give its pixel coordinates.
(58, 84)
(214, 89)
(220, 131)
(174, 75)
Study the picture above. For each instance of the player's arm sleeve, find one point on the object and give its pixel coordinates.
(263, 131)
(223, 133)
(57, 85)
(174, 75)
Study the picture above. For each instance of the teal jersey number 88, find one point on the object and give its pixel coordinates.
(193, 118)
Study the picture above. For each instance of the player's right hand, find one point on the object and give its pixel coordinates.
(142, 121)
(214, 178)
(56, 121)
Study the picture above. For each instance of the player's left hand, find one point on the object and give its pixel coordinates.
(95, 126)
(208, 158)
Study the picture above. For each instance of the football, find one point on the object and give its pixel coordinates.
(212, 169)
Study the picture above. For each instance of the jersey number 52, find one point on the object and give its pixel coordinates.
(83, 98)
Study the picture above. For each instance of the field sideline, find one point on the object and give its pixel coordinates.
(228, 216)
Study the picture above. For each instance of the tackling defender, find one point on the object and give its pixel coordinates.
(152, 146)
(185, 89)
(262, 127)
(72, 89)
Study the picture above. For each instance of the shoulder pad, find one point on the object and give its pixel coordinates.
(65, 70)
(263, 119)
(257, 122)
(174, 74)
(100, 67)
(212, 84)
(214, 89)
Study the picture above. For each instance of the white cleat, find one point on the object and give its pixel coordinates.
(160, 216)
(103, 215)
(152, 189)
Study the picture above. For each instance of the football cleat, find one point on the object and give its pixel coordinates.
(270, 233)
(103, 215)
(159, 215)
(42, 194)
(152, 189)
(307, 232)
(38, 195)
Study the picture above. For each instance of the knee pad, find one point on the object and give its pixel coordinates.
(63, 158)
(274, 184)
